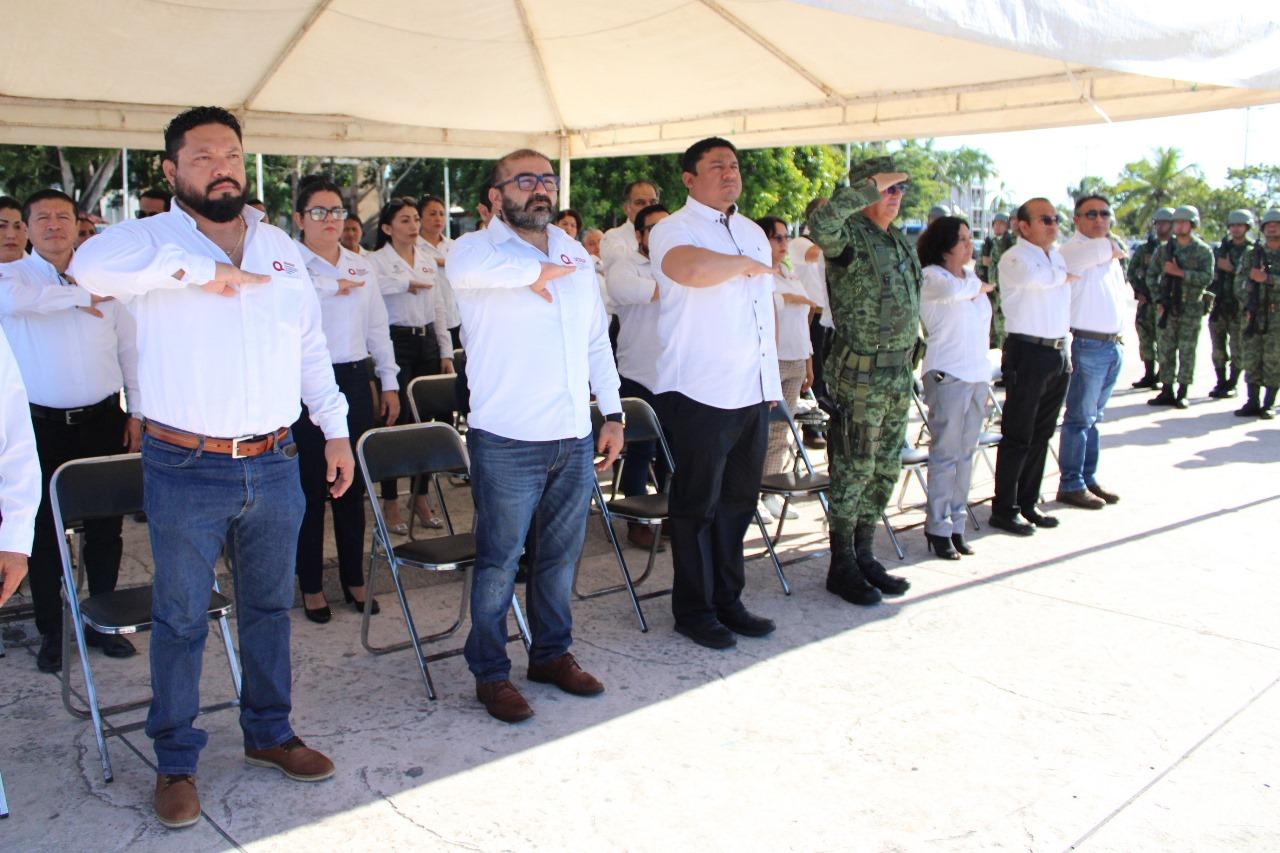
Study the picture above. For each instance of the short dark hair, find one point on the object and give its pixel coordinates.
(495, 174)
(1091, 197)
(626, 194)
(8, 202)
(388, 213)
(158, 195)
(428, 199)
(175, 132)
(939, 238)
(252, 201)
(484, 197)
(312, 184)
(571, 214)
(1023, 214)
(645, 212)
(84, 217)
(689, 159)
(45, 195)
(769, 223)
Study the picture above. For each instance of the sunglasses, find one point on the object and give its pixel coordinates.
(1096, 214)
(777, 238)
(897, 189)
(1047, 220)
(320, 214)
(528, 182)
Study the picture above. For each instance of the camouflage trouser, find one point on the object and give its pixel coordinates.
(1148, 335)
(996, 338)
(1178, 341)
(866, 458)
(1227, 333)
(1262, 356)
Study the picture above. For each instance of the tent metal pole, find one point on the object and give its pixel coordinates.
(262, 193)
(124, 183)
(448, 205)
(564, 172)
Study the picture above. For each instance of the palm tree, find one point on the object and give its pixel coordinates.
(1147, 185)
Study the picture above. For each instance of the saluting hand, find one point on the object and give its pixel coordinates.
(227, 279)
(610, 444)
(415, 286)
(89, 309)
(548, 274)
(341, 466)
(346, 285)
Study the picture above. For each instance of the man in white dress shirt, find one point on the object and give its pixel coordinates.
(1036, 295)
(537, 347)
(13, 231)
(19, 476)
(1098, 298)
(714, 389)
(619, 242)
(75, 351)
(230, 338)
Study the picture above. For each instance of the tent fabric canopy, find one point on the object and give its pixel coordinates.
(584, 79)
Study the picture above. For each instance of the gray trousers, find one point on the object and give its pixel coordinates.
(956, 411)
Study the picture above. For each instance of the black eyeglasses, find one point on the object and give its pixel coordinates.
(1047, 220)
(1096, 214)
(777, 238)
(896, 189)
(320, 214)
(528, 181)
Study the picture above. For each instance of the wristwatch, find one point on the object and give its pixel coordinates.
(616, 418)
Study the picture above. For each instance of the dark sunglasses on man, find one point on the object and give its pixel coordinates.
(1096, 214)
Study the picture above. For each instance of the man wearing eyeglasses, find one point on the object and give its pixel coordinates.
(151, 202)
(537, 343)
(1036, 297)
(873, 279)
(1098, 297)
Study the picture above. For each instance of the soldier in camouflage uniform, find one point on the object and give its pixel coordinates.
(1001, 245)
(986, 271)
(1180, 273)
(873, 278)
(1226, 326)
(1258, 278)
(1148, 334)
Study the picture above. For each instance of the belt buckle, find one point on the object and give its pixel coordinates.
(1057, 343)
(69, 415)
(235, 447)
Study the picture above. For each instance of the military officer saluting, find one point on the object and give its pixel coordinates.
(1226, 326)
(1181, 271)
(1148, 335)
(1258, 278)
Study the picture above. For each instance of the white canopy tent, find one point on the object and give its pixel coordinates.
(582, 78)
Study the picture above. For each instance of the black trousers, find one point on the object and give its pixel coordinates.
(348, 510)
(1035, 384)
(639, 455)
(416, 355)
(719, 459)
(819, 338)
(56, 443)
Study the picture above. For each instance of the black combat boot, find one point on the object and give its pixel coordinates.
(1232, 379)
(1269, 404)
(1251, 408)
(1220, 390)
(844, 579)
(1148, 379)
(864, 536)
(1165, 397)
(1180, 402)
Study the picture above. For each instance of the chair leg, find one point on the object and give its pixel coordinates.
(413, 633)
(233, 661)
(521, 624)
(893, 537)
(973, 519)
(4, 804)
(607, 521)
(773, 555)
(902, 493)
(71, 614)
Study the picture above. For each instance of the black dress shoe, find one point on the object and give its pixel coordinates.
(1039, 519)
(712, 636)
(319, 615)
(958, 542)
(746, 623)
(359, 605)
(1009, 524)
(112, 645)
(49, 658)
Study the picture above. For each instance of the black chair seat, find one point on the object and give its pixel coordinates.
(812, 418)
(440, 550)
(989, 439)
(639, 507)
(791, 483)
(126, 611)
(915, 456)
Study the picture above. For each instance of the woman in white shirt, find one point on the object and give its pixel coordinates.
(419, 325)
(956, 316)
(792, 306)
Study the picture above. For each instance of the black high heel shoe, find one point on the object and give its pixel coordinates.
(941, 546)
(319, 615)
(957, 539)
(358, 606)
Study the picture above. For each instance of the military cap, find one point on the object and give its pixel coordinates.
(1000, 217)
(1272, 215)
(1240, 217)
(875, 166)
(938, 211)
(1164, 214)
(1187, 213)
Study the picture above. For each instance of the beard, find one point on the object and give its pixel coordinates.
(221, 209)
(525, 218)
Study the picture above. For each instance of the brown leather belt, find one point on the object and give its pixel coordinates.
(1096, 336)
(237, 448)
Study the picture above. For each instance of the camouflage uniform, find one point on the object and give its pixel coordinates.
(1001, 245)
(1226, 320)
(1262, 333)
(1148, 335)
(1183, 303)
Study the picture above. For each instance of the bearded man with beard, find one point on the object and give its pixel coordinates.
(537, 343)
(230, 342)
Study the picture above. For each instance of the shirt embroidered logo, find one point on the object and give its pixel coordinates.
(565, 258)
(284, 267)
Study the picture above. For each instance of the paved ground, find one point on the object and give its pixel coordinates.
(1109, 685)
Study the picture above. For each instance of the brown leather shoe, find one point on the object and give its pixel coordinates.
(176, 802)
(565, 673)
(640, 535)
(503, 701)
(1082, 499)
(294, 759)
(1109, 497)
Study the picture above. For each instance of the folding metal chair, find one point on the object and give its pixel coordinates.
(4, 804)
(432, 398)
(414, 450)
(105, 487)
(790, 485)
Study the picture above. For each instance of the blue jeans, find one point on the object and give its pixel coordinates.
(515, 485)
(196, 503)
(1095, 365)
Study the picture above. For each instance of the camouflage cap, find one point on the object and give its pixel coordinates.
(873, 166)
(1187, 213)
(1164, 214)
(1240, 217)
(1272, 215)
(1000, 217)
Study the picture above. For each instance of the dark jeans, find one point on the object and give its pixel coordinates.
(348, 510)
(719, 459)
(639, 455)
(198, 503)
(416, 355)
(57, 443)
(1035, 383)
(516, 484)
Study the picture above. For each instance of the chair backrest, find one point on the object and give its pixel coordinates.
(99, 487)
(409, 450)
(781, 414)
(642, 425)
(431, 398)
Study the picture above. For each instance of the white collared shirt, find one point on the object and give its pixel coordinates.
(813, 276)
(355, 325)
(20, 483)
(412, 309)
(211, 364)
(605, 300)
(68, 358)
(631, 285)
(956, 316)
(794, 343)
(532, 365)
(1034, 293)
(618, 243)
(440, 253)
(1100, 298)
(717, 342)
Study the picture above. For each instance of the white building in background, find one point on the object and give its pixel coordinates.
(971, 202)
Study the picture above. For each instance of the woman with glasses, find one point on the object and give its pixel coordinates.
(956, 316)
(419, 326)
(355, 325)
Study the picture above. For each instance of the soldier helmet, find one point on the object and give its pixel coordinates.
(938, 210)
(1272, 215)
(1240, 217)
(1187, 213)
(1000, 217)
(1164, 214)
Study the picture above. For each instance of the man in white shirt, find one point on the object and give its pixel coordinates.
(230, 338)
(714, 389)
(1036, 295)
(19, 476)
(436, 245)
(537, 347)
(1098, 298)
(619, 242)
(13, 231)
(75, 352)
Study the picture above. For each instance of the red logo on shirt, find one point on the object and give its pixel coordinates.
(284, 267)
(277, 266)
(566, 259)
